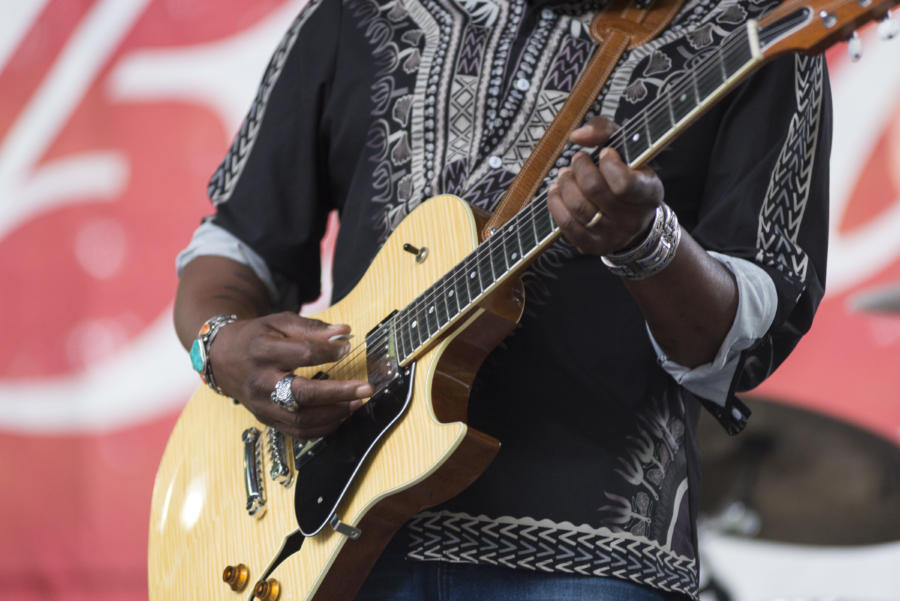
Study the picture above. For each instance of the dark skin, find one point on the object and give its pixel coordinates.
(689, 305)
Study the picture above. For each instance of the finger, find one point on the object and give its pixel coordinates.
(573, 197)
(320, 420)
(308, 419)
(594, 132)
(287, 353)
(320, 392)
(615, 172)
(293, 325)
(574, 231)
(639, 188)
(591, 181)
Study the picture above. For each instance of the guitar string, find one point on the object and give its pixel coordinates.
(659, 109)
(483, 253)
(486, 254)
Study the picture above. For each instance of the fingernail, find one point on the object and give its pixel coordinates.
(605, 152)
(337, 337)
(345, 348)
(364, 390)
(563, 171)
(354, 405)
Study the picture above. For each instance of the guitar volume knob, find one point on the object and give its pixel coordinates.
(236, 577)
(267, 590)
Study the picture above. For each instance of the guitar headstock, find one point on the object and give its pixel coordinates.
(811, 26)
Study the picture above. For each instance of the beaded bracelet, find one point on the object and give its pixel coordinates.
(654, 252)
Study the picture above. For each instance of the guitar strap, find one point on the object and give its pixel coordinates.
(620, 26)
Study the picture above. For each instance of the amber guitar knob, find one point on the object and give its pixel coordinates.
(267, 590)
(236, 576)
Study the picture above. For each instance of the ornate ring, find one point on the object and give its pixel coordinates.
(283, 395)
(594, 220)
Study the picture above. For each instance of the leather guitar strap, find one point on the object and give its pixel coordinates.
(620, 26)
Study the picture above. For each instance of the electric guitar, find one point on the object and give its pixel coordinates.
(239, 510)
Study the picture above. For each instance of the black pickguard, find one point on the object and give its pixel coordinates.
(323, 479)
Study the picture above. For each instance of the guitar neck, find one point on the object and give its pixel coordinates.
(513, 246)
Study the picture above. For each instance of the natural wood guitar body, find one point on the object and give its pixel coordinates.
(199, 524)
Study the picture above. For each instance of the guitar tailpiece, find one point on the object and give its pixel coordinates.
(345, 529)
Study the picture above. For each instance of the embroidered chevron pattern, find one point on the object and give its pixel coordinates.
(469, 60)
(223, 181)
(547, 546)
(568, 65)
(786, 197)
(490, 188)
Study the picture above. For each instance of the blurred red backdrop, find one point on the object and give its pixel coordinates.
(113, 115)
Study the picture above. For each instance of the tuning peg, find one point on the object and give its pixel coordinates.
(854, 47)
(888, 29)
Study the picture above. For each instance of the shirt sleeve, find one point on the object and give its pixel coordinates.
(270, 191)
(766, 201)
(757, 303)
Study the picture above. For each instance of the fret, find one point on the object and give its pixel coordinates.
(425, 331)
(483, 267)
(526, 232)
(441, 305)
(709, 81)
(412, 326)
(646, 121)
(681, 102)
(737, 55)
(511, 247)
(449, 293)
(470, 279)
(498, 256)
(461, 287)
(543, 224)
(635, 143)
(722, 69)
(660, 123)
(403, 334)
(431, 316)
(401, 349)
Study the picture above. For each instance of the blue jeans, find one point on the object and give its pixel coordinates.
(395, 578)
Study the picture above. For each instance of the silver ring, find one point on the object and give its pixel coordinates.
(283, 395)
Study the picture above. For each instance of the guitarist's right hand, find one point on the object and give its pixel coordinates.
(249, 356)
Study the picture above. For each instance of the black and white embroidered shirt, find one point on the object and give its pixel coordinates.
(370, 107)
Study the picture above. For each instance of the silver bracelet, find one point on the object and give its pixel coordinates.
(654, 252)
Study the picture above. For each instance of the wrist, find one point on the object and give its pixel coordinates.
(653, 253)
(200, 349)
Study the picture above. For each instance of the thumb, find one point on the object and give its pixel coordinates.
(594, 133)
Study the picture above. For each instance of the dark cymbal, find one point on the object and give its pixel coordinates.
(884, 299)
(807, 477)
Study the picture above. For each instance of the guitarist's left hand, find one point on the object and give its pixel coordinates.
(626, 198)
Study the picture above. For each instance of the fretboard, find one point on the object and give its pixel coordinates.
(515, 244)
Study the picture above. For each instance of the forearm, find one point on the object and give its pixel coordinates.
(690, 305)
(212, 285)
